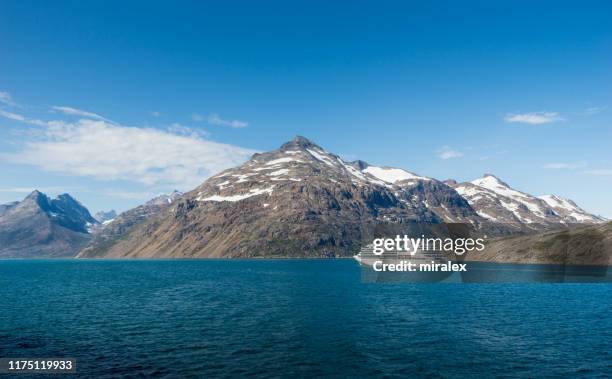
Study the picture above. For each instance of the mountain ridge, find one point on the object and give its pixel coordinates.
(300, 200)
(298, 197)
(497, 201)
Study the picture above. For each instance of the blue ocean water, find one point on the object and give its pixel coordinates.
(300, 318)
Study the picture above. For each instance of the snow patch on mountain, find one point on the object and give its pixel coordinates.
(282, 171)
(494, 184)
(392, 175)
(321, 156)
(354, 172)
(233, 198)
(556, 201)
(282, 160)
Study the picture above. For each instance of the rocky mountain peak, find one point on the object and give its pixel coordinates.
(299, 143)
(36, 196)
(68, 201)
(45, 226)
(64, 210)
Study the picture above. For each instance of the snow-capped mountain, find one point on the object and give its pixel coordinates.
(39, 226)
(567, 209)
(422, 191)
(301, 200)
(428, 199)
(425, 199)
(496, 201)
(298, 200)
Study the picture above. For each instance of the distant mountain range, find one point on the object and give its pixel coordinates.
(496, 201)
(299, 201)
(105, 217)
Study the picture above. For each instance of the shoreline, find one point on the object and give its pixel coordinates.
(270, 259)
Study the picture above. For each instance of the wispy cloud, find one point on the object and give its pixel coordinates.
(562, 166)
(155, 113)
(215, 119)
(7, 99)
(183, 130)
(593, 111)
(79, 113)
(21, 118)
(12, 116)
(105, 151)
(446, 152)
(599, 172)
(533, 118)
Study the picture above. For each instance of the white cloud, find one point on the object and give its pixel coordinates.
(600, 172)
(7, 99)
(105, 151)
(533, 118)
(77, 112)
(183, 130)
(561, 166)
(446, 152)
(214, 119)
(155, 113)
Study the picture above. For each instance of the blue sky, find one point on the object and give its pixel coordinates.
(116, 102)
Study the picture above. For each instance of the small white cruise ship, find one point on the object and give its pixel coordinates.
(367, 257)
